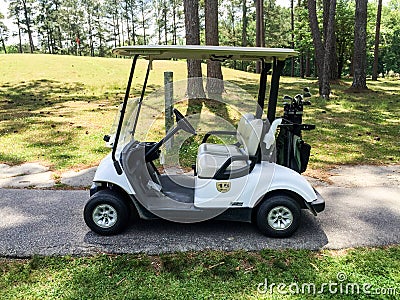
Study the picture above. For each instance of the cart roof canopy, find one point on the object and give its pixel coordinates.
(220, 53)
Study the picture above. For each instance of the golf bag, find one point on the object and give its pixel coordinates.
(292, 151)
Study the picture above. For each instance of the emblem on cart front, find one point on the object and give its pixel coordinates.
(223, 187)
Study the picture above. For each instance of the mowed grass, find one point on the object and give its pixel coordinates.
(56, 109)
(364, 273)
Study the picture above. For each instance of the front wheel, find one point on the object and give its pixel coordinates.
(278, 216)
(106, 213)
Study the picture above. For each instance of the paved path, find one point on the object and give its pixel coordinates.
(50, 222)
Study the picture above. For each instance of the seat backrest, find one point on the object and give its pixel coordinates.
(249, 133)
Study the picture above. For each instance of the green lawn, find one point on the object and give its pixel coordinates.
(56, 109)
(207, 275)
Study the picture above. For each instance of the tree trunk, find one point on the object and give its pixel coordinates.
(195, 87)
(317, 41)
(19, 35)
(128, 30)
(3, 45)
(28, 26)
(143, 24)
(316, 34)
(49, 43)
(2, 38)
(308, 64)
(214, 87)
(116, 29)
(377, 33)
(133, 24)
(260, 32)
(292, 34)
(58, 26)
(360, 47)
(333, 62)
(90, 33)
(165, 22)
(330, 39)
(302, 71)
(244, 23)
(174, 22)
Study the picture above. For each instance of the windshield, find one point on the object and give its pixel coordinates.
(127, 133)
(205, 114)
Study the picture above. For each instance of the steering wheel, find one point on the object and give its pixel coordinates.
(183, 123)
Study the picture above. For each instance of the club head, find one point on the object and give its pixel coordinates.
(287, 98)
(298, 98)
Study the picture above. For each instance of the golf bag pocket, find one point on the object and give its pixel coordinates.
(302, 152)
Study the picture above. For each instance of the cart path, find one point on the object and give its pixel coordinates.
(34, 175)
(47, 222)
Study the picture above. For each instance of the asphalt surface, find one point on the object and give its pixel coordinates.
(49, 222)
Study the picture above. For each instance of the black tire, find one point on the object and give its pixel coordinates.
(283, 212)
(106, 213)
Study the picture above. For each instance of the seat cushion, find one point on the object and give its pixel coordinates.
(209, 164)
(219, 149)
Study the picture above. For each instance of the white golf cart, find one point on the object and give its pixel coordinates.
(237, 181)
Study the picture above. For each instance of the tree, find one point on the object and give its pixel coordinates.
(332, 58)
(176, 17)
(360, 47)
(48, 26)
(3, 33)
(214, 87)
(158, 10)
(195, 87)
(27, 10)
(377, 34)
(15, 11)
(329, 63)
(245, 22)
(322, 50)
(88, 6)
(390, 51)
(144, 11)
(292, 29)
(344, 33)
(303, 39)
(260, 29)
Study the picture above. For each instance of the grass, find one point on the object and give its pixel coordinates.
(203, 275)
(56, 109)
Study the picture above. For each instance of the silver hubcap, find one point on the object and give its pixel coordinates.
(280, 218)
(105, 216)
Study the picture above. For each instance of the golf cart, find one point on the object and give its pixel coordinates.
(236, 180)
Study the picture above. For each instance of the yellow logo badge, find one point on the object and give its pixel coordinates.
(224, 186)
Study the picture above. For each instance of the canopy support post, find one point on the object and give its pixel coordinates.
(121, 119)
(262, 88)
(277, 68)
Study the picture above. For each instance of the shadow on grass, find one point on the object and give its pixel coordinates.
(34, 115)
(29, 99)
(355, 128)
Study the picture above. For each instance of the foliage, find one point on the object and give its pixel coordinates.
(100, 25)
(390, 38)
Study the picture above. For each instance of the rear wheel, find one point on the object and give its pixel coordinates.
(278, 216)
(106, 213)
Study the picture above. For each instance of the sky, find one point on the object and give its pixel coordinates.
(3, 8)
